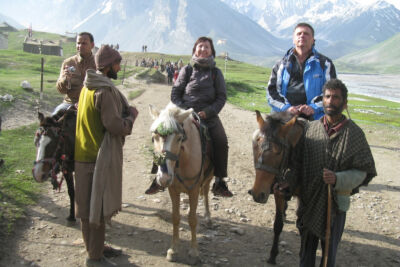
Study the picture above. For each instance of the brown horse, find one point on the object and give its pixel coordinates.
(55, 143)
(272, 144)
(183, 166)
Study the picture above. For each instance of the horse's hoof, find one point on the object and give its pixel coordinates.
(71, 219)
(194, 256)
(209, 224)
(194, 260)
(171, 255)
(271, 261)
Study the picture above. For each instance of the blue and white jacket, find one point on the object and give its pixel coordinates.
(317, 70)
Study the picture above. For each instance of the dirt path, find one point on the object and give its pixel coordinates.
(242, 232)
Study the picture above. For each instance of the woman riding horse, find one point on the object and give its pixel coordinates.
(202, 88)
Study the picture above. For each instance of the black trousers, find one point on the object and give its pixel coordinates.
(220, 146)
(310, 241)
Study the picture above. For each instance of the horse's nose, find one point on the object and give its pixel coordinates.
(37, 176)
(261, 198)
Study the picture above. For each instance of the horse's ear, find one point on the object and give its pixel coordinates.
(183, 115)
(292, 131)
(40, 116)
(295, 134)
(154, 112)
(285, 129)
(260, 119)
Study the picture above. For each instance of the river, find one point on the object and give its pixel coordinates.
(381, 86)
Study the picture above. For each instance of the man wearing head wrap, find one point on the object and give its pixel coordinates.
(104, 119)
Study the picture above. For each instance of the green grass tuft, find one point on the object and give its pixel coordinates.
(135, 94)
(17, 186)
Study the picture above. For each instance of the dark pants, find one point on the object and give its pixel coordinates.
(220, 146)
(310, 243)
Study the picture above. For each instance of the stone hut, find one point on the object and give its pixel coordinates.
(44, 47)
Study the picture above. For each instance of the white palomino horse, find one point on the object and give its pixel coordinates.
(183, 167)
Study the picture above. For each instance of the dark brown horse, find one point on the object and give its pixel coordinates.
(272, 144)
(55, 143)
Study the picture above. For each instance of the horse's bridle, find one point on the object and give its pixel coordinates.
(266, 145)
(44, 131)
(160, 159)
(57, 132)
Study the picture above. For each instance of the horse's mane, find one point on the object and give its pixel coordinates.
(49, 121)
(166, 120)
(275, 121)
(56, 119)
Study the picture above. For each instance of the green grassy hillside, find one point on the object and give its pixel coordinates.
(381, 58)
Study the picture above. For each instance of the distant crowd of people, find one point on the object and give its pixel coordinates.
(171, 69)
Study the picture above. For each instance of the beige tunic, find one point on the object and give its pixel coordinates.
(81, 65)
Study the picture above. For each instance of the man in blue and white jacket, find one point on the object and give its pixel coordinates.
(296, 80)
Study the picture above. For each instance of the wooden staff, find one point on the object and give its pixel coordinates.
(328, 226)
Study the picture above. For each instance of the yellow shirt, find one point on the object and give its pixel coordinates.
(89, 128)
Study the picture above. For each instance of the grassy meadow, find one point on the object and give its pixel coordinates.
(17, 187)
(245, 87)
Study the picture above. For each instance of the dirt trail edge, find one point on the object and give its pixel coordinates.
(242, 229)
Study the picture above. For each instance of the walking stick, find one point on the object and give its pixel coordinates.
(328, 226)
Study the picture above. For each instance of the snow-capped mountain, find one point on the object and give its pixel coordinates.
(169, 26)
(172, 26)
(341, 26)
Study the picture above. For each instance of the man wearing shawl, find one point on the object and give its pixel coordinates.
(333, 152)
(104, 119)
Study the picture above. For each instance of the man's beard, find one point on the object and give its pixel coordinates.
(112, 74)
(333, 111)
